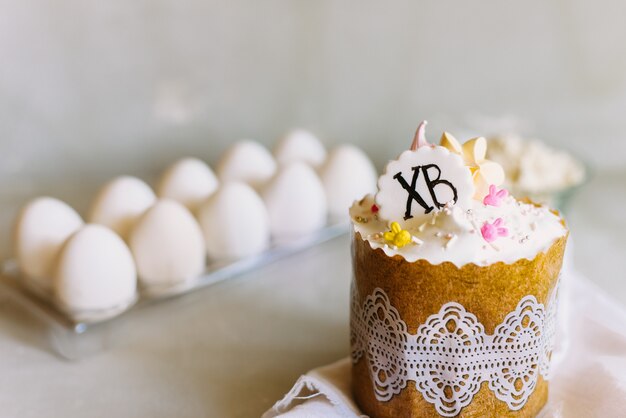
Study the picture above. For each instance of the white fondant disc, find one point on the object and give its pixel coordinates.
(423, 181)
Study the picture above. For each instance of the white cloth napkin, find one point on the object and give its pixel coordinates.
(589, 379)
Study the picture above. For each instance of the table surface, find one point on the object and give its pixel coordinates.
(233, 349)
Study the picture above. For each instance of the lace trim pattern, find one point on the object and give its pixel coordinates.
(450, 356)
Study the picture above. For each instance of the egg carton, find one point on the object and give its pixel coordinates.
(74, 340)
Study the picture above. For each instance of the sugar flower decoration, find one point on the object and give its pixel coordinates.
(495, 196)
(397, 236)
(484, 172)
(492, 232)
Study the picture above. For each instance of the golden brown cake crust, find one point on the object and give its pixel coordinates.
(419, 289)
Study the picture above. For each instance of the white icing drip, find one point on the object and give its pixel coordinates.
(531, 230)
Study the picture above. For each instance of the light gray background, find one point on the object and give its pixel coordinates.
(91, 89)
(127, 85)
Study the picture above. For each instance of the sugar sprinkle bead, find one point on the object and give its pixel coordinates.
(417, 241)
(361, 220)
(421, 227)
(451, 240)
(533, 226)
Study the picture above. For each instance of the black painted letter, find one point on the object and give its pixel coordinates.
(432, 183)
(413, 194)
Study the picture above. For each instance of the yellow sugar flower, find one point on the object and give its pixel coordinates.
(484, 172)
(397, 236)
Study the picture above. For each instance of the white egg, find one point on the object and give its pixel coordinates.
(41, 229)
(300, 145)
(248, 162)
(120, 203)
(295, 201)
(235, 222)
(189, 181)
(347, 175)
(168, 247)
(95, 277)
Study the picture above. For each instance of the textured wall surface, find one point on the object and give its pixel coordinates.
(103, 87)
(94, 88)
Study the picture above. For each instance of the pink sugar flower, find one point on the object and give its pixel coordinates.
(492, 232)
(495, 196)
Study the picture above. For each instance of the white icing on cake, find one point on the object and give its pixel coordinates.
(454, 234)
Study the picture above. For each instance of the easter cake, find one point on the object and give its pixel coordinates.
(454, 289)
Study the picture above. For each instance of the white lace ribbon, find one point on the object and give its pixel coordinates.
(451, 355)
